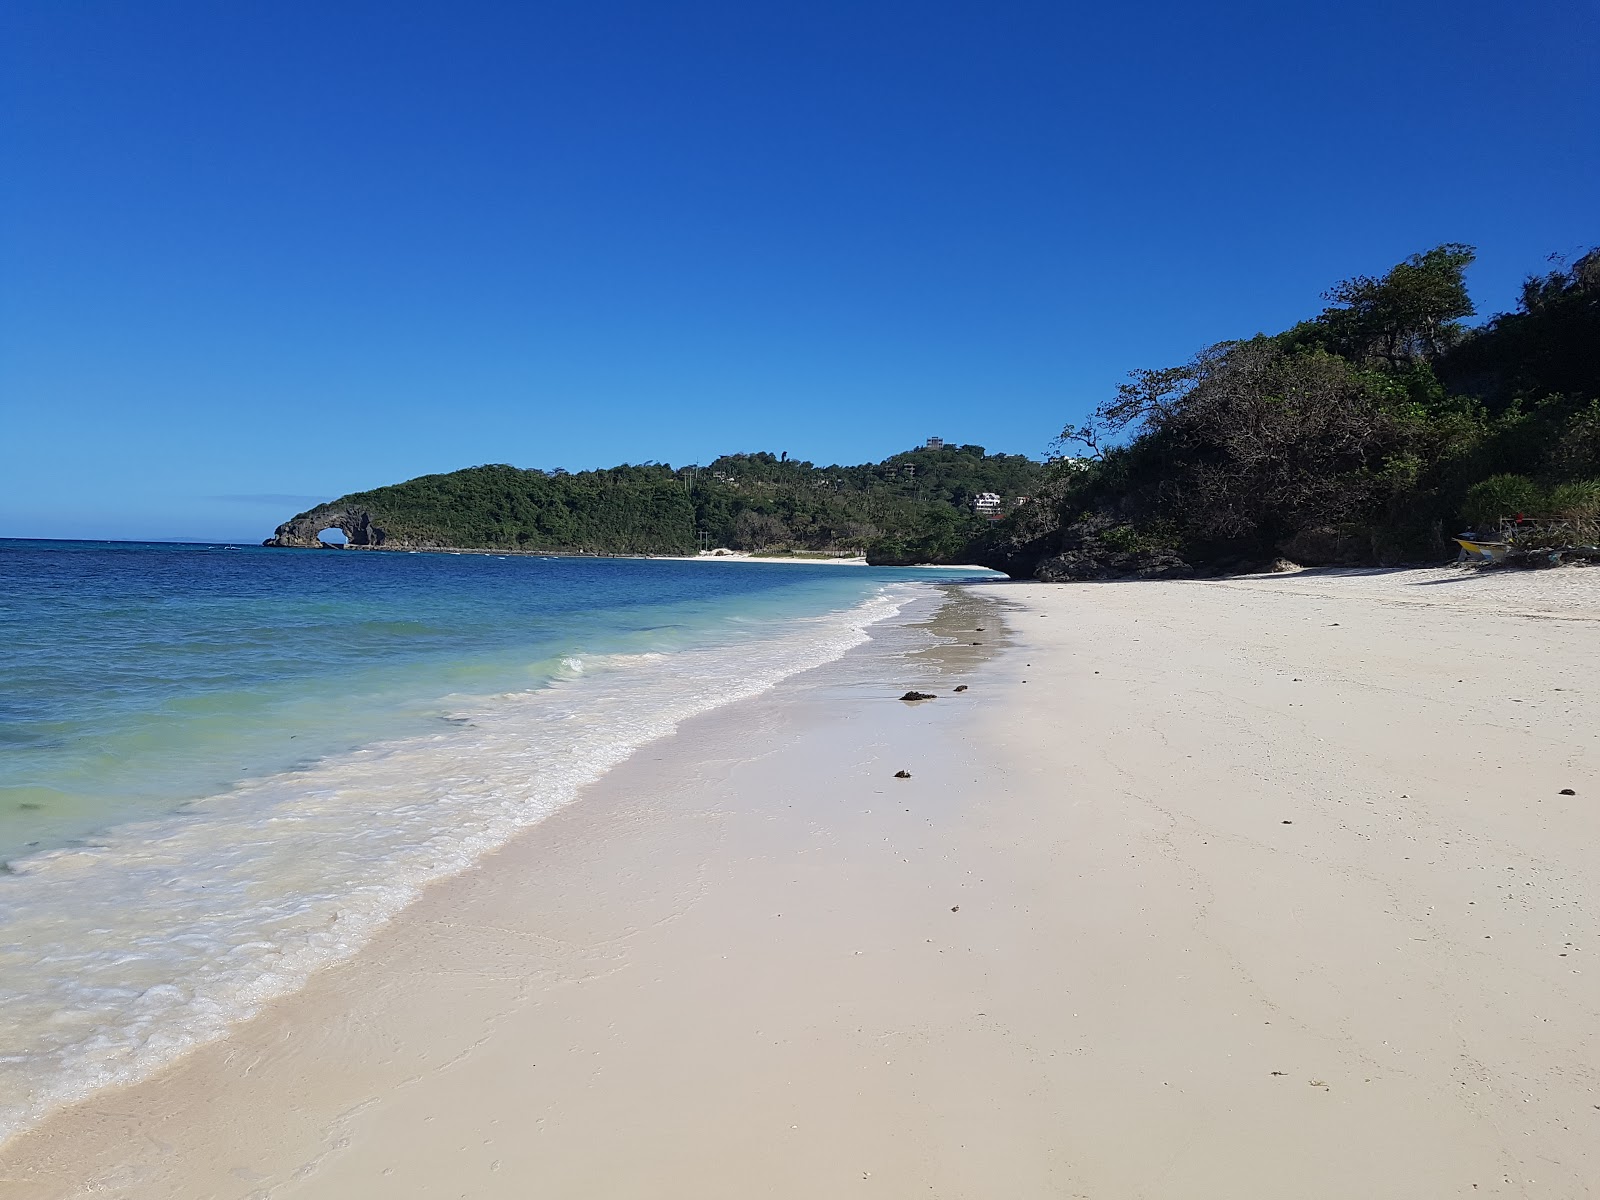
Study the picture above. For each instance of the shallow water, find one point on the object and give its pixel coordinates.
(221, 768)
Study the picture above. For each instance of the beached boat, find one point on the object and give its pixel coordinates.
(1483, 551)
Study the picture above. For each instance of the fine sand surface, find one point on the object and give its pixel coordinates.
(1255, 888)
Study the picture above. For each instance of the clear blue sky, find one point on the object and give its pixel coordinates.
(257, 254)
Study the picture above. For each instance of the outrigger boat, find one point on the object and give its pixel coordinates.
(1530, 542)
(1483, 551)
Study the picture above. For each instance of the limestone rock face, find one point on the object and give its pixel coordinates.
(303, 531)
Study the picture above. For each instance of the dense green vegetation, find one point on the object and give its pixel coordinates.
(1369, 433)
(915, 506)
(911, 507)
(624, 510)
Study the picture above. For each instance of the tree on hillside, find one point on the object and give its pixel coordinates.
(1550, 345)
(1412, 312)
(1250, 442)
(1361, 434)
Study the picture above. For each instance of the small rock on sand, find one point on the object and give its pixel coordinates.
(919, 696)
(902, 774)
(961, 687)
(1568, 792)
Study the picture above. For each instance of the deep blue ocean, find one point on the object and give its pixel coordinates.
(221, 766)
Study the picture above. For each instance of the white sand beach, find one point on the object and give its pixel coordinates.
(1263, 887)
(724, 555)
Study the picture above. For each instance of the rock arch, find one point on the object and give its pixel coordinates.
(305, 529)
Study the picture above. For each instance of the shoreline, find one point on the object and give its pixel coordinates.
(202, 915)
(197, 1102)
(831, 560)
(1264, 886)
(398, 548)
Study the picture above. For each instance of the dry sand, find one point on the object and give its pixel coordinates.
(1256, 888)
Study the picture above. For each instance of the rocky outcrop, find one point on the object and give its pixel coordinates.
(1015, 547)
(1328, 547)
(305, 530)
(1097, 547)
(1097, 562)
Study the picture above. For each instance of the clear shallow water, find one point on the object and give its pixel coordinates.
(222, 768)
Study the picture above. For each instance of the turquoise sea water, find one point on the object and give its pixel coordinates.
(222, 767)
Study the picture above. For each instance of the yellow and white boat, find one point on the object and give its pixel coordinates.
(1484, 551)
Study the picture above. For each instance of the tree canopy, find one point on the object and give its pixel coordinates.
(913, 506)
(1375, 427)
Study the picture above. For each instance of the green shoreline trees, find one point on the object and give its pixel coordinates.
(914, 506)
(1367, 434)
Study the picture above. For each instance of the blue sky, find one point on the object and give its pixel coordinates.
(257, 254)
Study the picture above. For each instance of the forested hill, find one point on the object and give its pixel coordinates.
(911, 507)
(1370, 433)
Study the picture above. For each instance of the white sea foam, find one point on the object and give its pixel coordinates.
(119, 956)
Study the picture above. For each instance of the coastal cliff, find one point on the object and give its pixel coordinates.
(306, 530)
